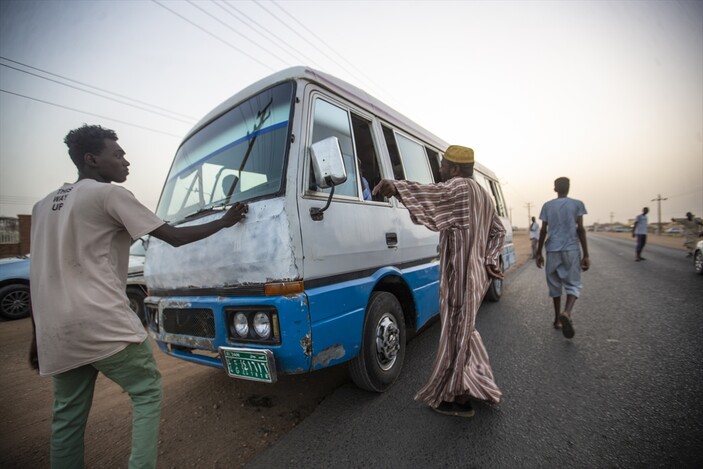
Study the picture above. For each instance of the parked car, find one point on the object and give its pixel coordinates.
(15, 301)
(698, 257)
(136, 286)
(674, 230)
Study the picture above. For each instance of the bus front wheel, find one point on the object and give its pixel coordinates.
(382, 351)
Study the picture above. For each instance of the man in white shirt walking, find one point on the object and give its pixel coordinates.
(567, 252)
(639, 230)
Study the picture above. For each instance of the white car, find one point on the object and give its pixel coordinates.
(698, 257)
(136, 286)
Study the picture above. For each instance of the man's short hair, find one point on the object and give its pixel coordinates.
(562, 184)
(87, 139)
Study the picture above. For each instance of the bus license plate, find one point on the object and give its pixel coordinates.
(252, 364)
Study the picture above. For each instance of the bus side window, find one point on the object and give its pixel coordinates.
(478, 177)
(369, 167)
(414, 159)
(330, 120)
(498, 197)
(434, 164)
(398, 172)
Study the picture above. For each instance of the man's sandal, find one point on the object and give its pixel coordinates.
(567, 328)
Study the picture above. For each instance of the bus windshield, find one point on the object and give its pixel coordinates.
(237, 157)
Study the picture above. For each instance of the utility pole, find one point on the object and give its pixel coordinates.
(611, 218)
(658, 200)
(529, 215)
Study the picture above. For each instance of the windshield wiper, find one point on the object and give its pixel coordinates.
(202, 211)
(262, 116)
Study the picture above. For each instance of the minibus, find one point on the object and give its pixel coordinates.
(320, 272)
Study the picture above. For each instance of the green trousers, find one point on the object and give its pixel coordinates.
(134, 370)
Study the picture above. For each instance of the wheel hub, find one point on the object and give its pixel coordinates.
(387, 342)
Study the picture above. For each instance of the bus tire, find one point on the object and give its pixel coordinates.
(382, 351)
(495, 289)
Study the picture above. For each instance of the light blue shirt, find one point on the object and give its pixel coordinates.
(641, 224)
(561, 215)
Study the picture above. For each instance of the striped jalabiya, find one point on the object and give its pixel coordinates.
(471, 237)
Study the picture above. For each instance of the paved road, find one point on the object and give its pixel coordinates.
(625, 392)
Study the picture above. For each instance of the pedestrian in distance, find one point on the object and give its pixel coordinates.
(471, 238)
(83, 325)
(691, 231)
(639, 230)
(534, 237)
(561, 234)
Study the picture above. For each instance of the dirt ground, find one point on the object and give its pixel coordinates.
(208, 419)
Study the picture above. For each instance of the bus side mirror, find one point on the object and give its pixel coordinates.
(328, 165)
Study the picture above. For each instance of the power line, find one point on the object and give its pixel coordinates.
(90, 114)
(17, 200)
(99, 95)
(322, 41)
(281, 41)
(235, 31)
(356, 72)
(214, 36)
(99, 89)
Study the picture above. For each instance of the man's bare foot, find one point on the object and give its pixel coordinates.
(557, 324)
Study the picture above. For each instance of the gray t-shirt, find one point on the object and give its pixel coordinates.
(561, 216)
(80, 241)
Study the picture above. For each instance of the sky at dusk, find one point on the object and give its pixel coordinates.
(607, 93)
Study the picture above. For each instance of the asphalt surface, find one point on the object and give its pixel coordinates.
(625, 392)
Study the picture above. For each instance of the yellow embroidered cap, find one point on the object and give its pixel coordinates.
(459, 154)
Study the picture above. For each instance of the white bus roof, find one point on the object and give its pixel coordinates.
(340, 87)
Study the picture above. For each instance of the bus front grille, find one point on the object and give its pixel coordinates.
(193, 322)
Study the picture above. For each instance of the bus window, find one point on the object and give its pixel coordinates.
(434, 164)
(389, 136)
(481, 180)
(332, 121)
(498, 197)
(414, 160)
(369, 167)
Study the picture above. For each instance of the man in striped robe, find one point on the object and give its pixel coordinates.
(471, 238)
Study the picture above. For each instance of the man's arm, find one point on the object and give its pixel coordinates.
(539, 260)
(496, 238)
(178, 236)
(581, 232)
(634, 226)
(33, 355)
(386, 188)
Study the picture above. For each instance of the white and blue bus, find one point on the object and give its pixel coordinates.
(314, 276)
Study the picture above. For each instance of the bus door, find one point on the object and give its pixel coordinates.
(357, 235)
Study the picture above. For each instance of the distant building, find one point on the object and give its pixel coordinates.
(14, 235)
(9, 230)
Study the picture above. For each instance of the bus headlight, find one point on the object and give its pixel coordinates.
(241, 325)
(253, 324)
(262, 325)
